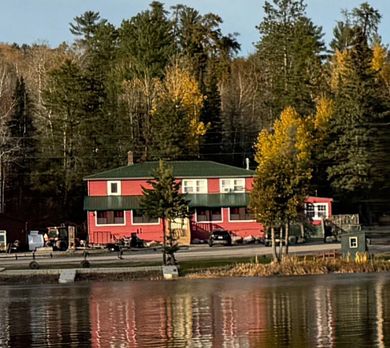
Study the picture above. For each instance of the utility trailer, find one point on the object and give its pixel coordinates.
(61, 237)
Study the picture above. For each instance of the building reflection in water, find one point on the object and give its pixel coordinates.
(307, 311)
(219, 313)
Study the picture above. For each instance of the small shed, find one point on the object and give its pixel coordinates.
(352, 243)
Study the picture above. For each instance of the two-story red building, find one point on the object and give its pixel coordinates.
(218, 195)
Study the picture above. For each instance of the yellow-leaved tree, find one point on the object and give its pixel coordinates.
(283, 174)
(176, 125)
(380, 63)
(338, 68)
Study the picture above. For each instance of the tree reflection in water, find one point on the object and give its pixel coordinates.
(311, 311)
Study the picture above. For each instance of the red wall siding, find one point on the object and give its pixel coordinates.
(249, 184)
(108, 234)
(133, 187)
(97, 188)
(240, 228)
(213, 185)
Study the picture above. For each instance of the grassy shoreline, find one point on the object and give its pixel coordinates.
(294, 266)
(219, 268)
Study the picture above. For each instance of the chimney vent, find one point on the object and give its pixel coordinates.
(247, 163)
(130, 158)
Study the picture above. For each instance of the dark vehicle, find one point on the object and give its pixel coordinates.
(113, 247)
(136, 242)
(221, 237)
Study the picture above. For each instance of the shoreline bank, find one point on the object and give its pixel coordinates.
(289, 267)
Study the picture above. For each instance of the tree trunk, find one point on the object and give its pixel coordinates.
(286, 238)
(280, 242)
(323, 229)
(274, 255)
(302, 231)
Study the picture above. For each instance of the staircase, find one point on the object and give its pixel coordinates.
(345, 223)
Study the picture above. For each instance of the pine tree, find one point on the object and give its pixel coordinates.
(63, 152)
(22, 130)
(212, 146)
(176, 129)
(290, 53)
(359, 107)
(164, 200)
(146, 43)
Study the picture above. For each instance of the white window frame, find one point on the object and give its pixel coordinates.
(102, 225)
(143, 224)
(207, 222)
(118, 185)
(316, 215)
(194, 184)
(230, 220)
(353, 242)
(227, 185)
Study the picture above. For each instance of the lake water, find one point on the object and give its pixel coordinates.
(311, 311)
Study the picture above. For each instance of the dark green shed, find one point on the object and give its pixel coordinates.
(352, 243)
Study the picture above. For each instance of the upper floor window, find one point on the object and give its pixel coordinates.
(114, 188)
(232, 185)
(194, 185)
(317, 211)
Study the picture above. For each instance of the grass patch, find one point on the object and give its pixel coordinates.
(198, 266)
(295, 266)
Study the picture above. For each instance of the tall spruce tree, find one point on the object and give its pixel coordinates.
(290, 51)
(357, 143)
(359, 108)
(169, 128)
(146, 43)
(22, 130)
(212, 146)
(164, 200)
(65, 152)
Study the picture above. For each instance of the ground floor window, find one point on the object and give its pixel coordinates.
(208, 215)
(240, 214)
(110, 217)
(140, 217)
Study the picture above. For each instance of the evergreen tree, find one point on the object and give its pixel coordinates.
(354, 170)
(290, 52)
(356, 142)
(169, 129)
(212, 145)
(176, 129)
(22, 130)
(164, 200)
(64, 153)
(146, 43)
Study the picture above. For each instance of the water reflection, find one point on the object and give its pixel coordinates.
(324, 311)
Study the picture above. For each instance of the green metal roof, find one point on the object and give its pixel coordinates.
(181, 169)
(93, 203)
